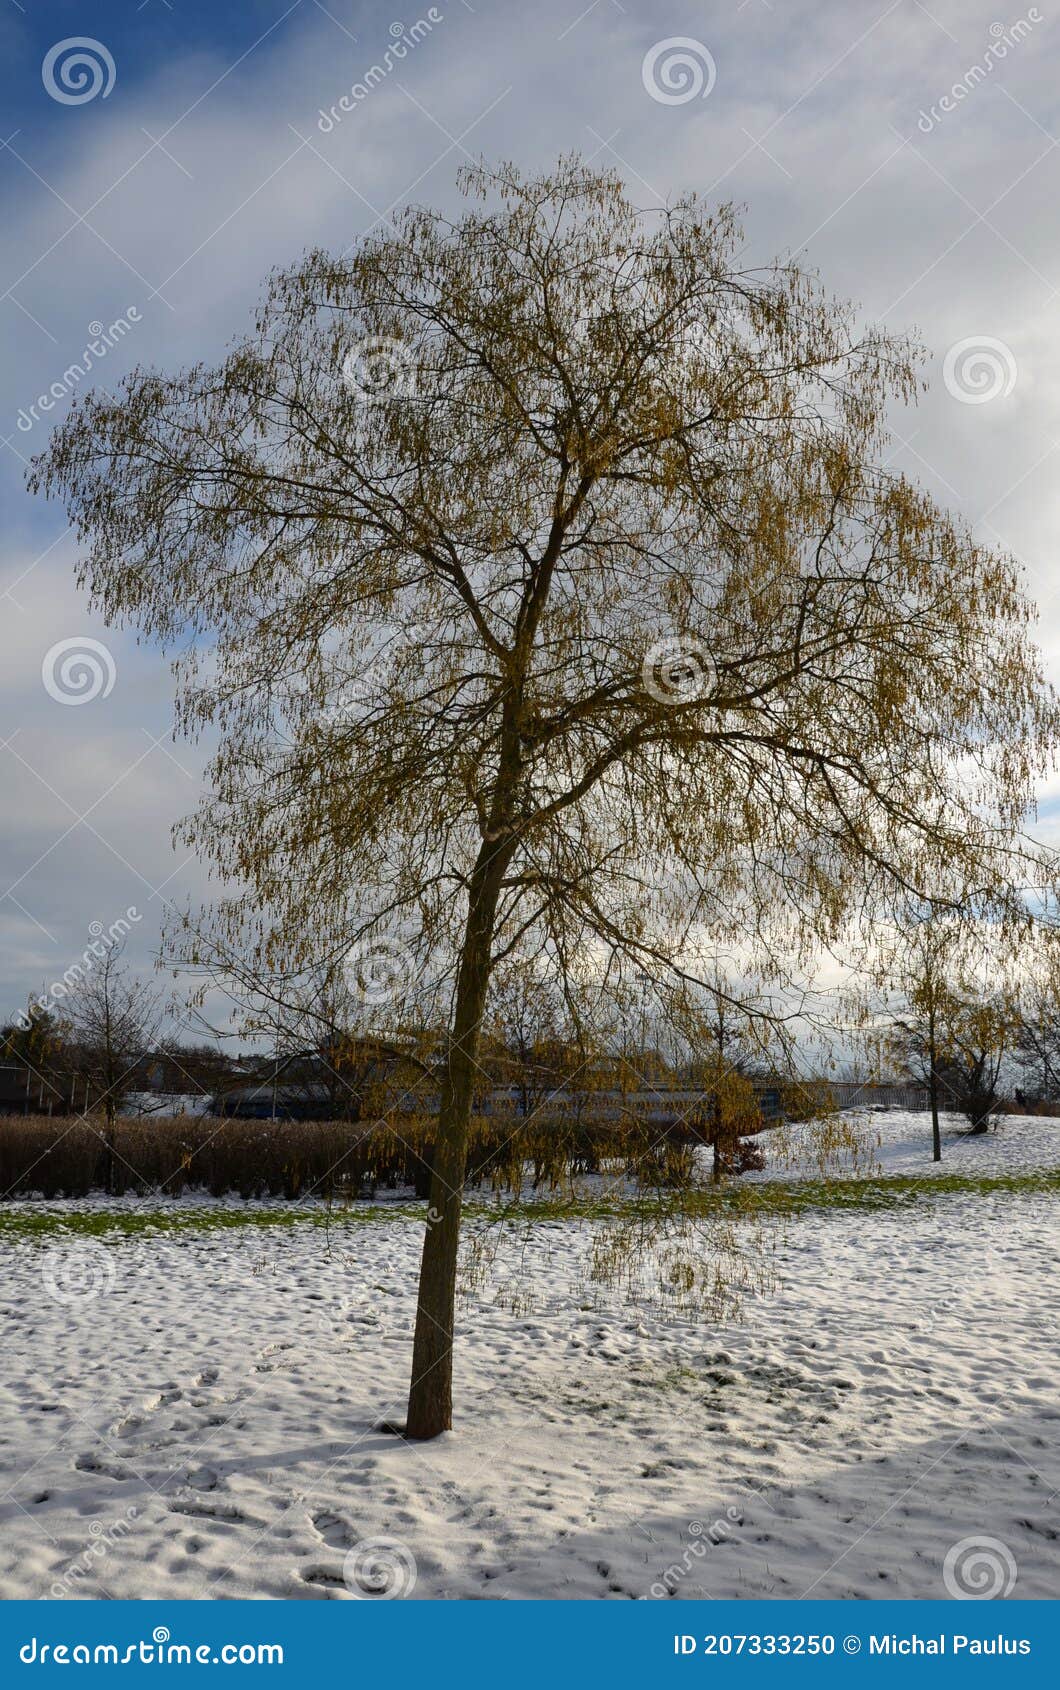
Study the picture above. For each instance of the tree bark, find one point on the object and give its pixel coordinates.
(933, 1092)
(106, 1175)
(430, 1409)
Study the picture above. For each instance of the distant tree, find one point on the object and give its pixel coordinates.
(110, 1022)
(194, 1066)
(952, 1032)
(725, 1040)
(34, 1041)
(983, 1033)
(1037, 1054)
(920, 1034)
(557, 598)
(326, 1046)
(33, 1038)
(1036, 1040)
(528, 1045)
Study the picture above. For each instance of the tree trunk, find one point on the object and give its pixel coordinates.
(107, 1160)
(933, 1092)
(430, 1409)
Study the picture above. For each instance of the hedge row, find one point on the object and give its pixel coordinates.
(69, 1156)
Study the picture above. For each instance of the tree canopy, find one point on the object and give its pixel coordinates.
(542, 575)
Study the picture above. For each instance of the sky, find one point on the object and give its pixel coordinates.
(157, 160)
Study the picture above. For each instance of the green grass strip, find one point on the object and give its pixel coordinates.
(773, 1198)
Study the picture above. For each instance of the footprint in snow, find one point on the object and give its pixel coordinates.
(202, 1478)
(325, 1579)
(162, 1399)
(107, 1469)
(223, 1513)
(333, 1530)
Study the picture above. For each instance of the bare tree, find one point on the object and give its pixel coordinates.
(957, 1020)
(556, 600)
(1036, 1041)
(920, 1035)
(110, 1022)
(984, 1030)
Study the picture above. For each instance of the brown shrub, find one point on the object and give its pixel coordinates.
(53, 1156)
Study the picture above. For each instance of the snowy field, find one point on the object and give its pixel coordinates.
(897, 1141)
(191, 1415)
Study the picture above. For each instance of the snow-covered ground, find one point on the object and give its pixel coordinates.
(145, 1103)
(192, 1415)
(898, 1141)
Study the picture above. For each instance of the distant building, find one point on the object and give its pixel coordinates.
(664, 1108)
(24, 1092)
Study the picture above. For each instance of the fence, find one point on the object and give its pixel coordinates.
(850, 1094)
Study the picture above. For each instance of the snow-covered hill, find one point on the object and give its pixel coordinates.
(898, 1141)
